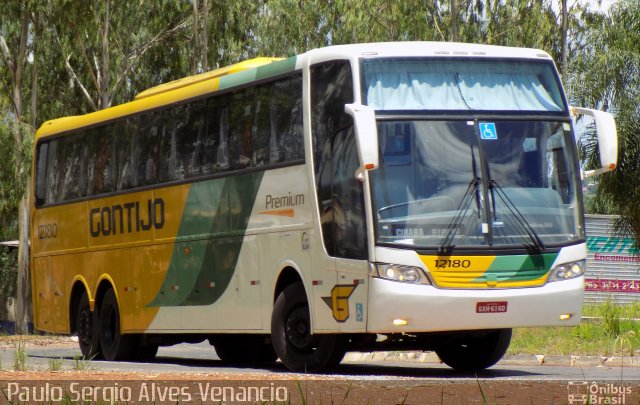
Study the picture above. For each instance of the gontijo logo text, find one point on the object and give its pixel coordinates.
(129, 217)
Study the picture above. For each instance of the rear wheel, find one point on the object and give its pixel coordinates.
(87, 328)
(297, 347)
(475, 351)
(115, 345)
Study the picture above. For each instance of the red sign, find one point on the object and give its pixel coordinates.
(609, 285)
(491, 307)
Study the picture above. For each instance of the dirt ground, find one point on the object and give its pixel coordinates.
(91, 386)
(159, 388)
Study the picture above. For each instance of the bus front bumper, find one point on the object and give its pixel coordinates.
(396, 307)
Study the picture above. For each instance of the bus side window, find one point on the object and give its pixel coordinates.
(286, 142)
(213, 160)
(125, 153)
(41, 173)
(72, 162)
(153, 149)
(242, 110)
(100, 160)
(52, 191)
(188, 141)
(263, 130)
(222, 152)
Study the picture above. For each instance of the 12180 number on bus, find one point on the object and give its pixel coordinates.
(47, 231)
(456, 263)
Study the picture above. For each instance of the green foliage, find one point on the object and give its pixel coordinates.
(8, 272)
(20, 359)
(606, 75)
(15, 168)
(614, 331)
(81, 364)
(610, 314)
(55, 364)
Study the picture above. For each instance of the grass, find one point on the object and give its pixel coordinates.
(55, 364)
(614, 332)
(20, 360)
(81, 364)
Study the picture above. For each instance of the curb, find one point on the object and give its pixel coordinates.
(507, 360)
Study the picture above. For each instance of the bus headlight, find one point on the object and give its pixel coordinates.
(568, 271)
(397, 272)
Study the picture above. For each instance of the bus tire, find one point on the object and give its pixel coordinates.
(243, 349)
(475, 352)
(115, 346)
(87, 328)
(298, 349)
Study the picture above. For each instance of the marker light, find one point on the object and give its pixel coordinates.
(565, 317)
(400, 322)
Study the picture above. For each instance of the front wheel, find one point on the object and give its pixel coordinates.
(476, 350)
(293, 342)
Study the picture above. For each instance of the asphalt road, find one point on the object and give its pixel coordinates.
(193, 373)
(201, 358)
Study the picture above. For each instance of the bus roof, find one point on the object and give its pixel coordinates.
(173, 92)
(188, 81)
(258, 68)
(422, 49)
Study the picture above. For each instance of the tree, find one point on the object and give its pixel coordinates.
(14, 51)
(607, 77)
(102, 55)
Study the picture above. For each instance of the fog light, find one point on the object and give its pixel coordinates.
(400, 322)
(566, 317)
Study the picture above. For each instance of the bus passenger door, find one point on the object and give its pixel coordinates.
(339, 302)
(344, 221)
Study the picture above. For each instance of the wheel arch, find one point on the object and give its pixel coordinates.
(288, 275)
(79, 286)
(104, 284)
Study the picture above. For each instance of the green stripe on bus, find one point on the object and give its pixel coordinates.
(276, 68)
(261, 72)
(237, 79)
(214, 221)
(518, 267)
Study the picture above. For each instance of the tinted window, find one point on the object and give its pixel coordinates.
(101, 164)
(250, 128)
(331, 89)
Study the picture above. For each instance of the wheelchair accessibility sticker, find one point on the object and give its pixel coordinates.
(488, 130)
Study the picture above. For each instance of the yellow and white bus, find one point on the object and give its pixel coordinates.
(415, 195)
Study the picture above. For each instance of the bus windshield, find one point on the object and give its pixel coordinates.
(391, 84)
(445, 183)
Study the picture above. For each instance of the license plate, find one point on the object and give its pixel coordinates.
(491, 307)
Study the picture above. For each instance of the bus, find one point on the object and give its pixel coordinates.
(384, 196)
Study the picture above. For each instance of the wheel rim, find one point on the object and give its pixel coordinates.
(298, 329)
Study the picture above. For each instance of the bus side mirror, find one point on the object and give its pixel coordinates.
(607, 139)
(366, 131)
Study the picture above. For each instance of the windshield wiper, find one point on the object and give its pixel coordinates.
(520, 219)
(463, 208)
(473, 190)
